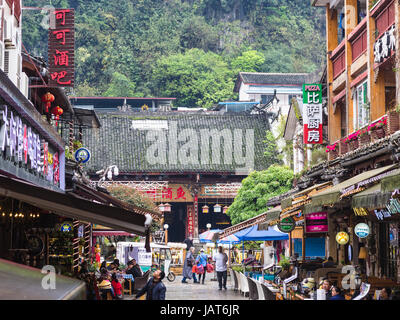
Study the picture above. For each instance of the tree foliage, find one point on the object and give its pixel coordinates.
(257, 189)
(133, 38)
(195, 78)
(271, 152)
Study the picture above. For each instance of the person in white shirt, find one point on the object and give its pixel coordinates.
(220, 266)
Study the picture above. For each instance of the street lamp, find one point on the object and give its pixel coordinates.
(166, 226)
(208, 226)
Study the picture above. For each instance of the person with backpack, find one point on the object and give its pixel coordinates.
(188, 266)
(221, 260)
(201, 261)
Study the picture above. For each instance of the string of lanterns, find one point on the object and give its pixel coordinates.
(57, 111)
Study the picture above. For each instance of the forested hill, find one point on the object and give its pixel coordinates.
(189, 49)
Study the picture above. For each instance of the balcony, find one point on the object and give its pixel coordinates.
(366, 136)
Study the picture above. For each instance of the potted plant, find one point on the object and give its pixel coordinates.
(393, 120)
(333, 151)
(352, 140)
(377, 129)
(364, 138)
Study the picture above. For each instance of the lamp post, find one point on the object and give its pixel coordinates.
(166, 226)
(208, 226)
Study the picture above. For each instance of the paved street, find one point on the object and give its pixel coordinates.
(193, 291)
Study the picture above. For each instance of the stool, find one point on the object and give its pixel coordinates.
(129, 289)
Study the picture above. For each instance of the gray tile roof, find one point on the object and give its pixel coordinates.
(274, 78)
(116, 143)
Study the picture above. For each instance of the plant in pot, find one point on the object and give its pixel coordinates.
(333, 151)
(377, 129)
(364, 137)
(352, 140)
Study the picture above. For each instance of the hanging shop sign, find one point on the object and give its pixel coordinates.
(82, 155)
(362, 230)
(61, 48)
(312, 113)
(190, 222)
(298, 216)
(317, 222)
(360, 212)
(287, 225)
(393, 206)
(342, 238)
(24, 151)
(385, 45)
(382, 214)
(66, 227)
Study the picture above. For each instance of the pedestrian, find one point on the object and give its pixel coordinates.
(326, 285)
(201, 261)
(385, 294)
(336, 294)
(188, 266)
(154, 288)
(116, 286)
(134, 269)
(189, 242)
(220, 266)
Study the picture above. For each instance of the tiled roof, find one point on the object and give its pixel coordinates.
(274, 78)
(116, 143)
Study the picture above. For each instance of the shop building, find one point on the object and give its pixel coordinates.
(194, 162)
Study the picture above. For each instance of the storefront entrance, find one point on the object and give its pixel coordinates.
(176, 220)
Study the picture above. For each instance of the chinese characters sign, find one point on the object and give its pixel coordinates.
(172, 193)
(385, 45)
(21, 147)
(190, 222)
(61, 49)
(312, 113)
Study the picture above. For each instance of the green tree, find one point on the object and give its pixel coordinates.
(196, 78)
(271, 152)
(257, 189)
(249, 61)
(120, 86)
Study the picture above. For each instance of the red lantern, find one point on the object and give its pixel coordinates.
(47, 99)
(57, 112)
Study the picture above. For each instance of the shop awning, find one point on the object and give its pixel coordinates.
(271, 215)
(371, 198)
(332, 195)
(20, 282)
(391, 182)
(286, 203)
(111, 233)
(72, 207)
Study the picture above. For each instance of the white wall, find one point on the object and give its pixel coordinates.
(11, 47)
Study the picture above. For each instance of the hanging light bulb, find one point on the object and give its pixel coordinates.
(109, 175)
(116, 172)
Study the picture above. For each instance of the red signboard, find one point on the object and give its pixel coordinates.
(62, 48)
(190, 222)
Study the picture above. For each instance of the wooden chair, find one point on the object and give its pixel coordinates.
(127, 287)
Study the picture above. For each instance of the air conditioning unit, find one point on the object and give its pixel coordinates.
(11, 65)
(24, 86)
(9, 39)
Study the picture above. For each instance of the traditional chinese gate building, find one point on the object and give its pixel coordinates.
(190, 160)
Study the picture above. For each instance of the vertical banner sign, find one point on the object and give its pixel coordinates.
(196, 219)
(190, 222)
(312, 113)
(61, 48)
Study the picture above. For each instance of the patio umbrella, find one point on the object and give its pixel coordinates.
(209, 236)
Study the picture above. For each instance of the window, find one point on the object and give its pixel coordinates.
(266, 98)
(361, 106)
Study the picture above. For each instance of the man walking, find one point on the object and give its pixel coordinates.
(220, 266)
(154, 288)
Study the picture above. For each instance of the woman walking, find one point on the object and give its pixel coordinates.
(202, 265)
(188, 266)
